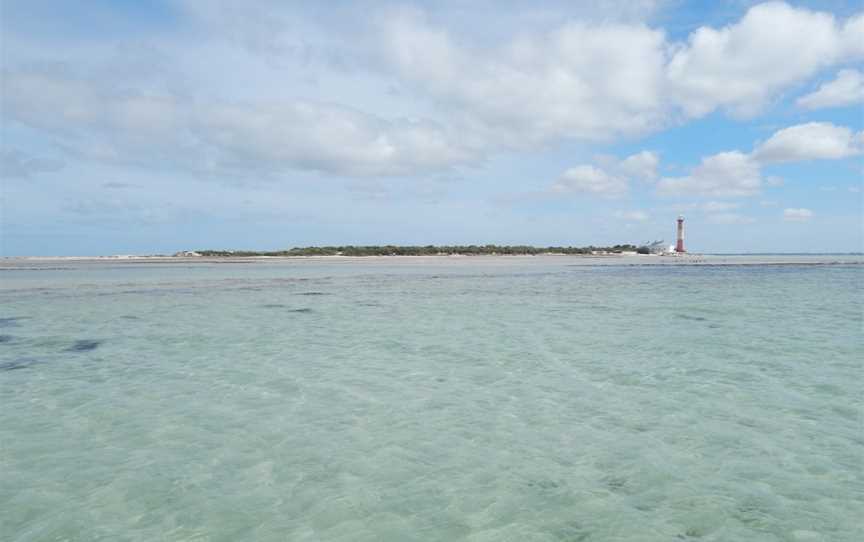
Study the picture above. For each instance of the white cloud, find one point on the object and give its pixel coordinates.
(727, 174)
(611, 177)
(719, 206)
(811, 141)
(708, 206)
(326, 137)
(731, 174)
(632, 216)
(601, 81)
(846, 89)
(730, 218)
(590, 82)
(797, 215)
(15, 164)
(464, 95)
(745, 65)
(589, 179)
(221, 137)
(852, 44)
(642, 165)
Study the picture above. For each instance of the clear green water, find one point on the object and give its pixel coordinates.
(444, 399)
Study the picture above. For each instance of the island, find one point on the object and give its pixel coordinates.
(416, 250)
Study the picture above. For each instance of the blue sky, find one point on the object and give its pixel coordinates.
(153, 127)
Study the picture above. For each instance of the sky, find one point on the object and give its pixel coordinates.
(165, 125)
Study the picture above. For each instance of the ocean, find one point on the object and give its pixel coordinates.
(434, 399)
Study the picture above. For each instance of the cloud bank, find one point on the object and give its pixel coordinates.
(472, 98)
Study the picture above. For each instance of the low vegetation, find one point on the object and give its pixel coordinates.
(428, 250)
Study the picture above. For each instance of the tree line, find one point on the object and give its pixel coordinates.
(427, 250)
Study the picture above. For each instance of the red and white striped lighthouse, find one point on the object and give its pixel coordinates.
(679, 244)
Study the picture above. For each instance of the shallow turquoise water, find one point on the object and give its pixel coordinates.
(449, 399)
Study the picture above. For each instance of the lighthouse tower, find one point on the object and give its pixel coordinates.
(679, 244)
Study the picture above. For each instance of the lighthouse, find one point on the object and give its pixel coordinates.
(679, 244)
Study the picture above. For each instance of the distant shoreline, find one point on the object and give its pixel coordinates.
(240, 259)
(42, 263)
(271, 257)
